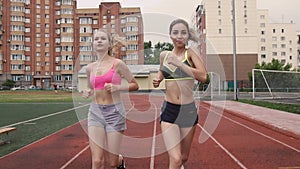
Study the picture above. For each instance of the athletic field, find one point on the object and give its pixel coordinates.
(51, 133)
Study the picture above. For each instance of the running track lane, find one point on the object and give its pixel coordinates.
(236, 143)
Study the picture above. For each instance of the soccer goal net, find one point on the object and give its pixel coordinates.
(211, 91)
(275, 84)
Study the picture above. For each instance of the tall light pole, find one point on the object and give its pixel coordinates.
(234, 51)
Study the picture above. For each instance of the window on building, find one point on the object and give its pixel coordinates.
(282, 30)
(245, 13)
(27, 68)
(262, 48)
(57, 49)
(283, 53)
(27, 20)
(57, 68)
(220, 31)
(57, 3)
(85, 58)
(274, 53)
(27, 11)
(262, 32)
(85, 20)
(263, 56)
(219, 21)
(123, 20)
(67, 2)
(274, 46)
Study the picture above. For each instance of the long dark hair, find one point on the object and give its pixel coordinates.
(192, 33)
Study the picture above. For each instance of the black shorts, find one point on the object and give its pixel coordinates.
(183, 115)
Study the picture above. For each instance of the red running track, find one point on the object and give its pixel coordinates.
(235, 143)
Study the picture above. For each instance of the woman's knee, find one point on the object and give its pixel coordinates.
(184, 159)
(97, 162)
(114, 163)
(176, 160)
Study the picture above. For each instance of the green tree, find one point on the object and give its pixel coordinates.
(9, 83)
(275, 64)
(152, 56)
(274, 79)
(159, 47)
(148, 52)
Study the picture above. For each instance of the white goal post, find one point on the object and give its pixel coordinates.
(275, 84)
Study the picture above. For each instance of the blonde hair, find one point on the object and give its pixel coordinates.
(114, 41)
(193, 35)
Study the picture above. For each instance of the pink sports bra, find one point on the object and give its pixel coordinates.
(98, 81)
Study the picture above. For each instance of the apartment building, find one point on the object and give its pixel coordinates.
(43, 42)
(277, 40)
(254, 36)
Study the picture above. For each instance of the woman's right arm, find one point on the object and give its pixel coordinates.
(159, 76)
(89, 90)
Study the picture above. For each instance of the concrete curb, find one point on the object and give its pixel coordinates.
(246, 112)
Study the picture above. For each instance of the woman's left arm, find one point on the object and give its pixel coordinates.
(124, 71)
(198, 71)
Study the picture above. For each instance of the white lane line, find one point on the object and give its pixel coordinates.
(42, 117)
(78, 154)
(223, 148)
(153, 140)
(257, 132)
(72, 159)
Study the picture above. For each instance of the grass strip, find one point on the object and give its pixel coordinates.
(292, 108)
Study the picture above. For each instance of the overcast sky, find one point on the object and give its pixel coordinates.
(165, 11)
(279, 10)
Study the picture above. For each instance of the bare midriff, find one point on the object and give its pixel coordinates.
(104, 97)
(179, 91)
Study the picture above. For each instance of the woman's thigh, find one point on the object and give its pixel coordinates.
(97, 137)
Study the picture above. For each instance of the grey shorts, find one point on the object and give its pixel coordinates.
(112, 117)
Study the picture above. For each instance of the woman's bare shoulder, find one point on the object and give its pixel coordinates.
(89, 66)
